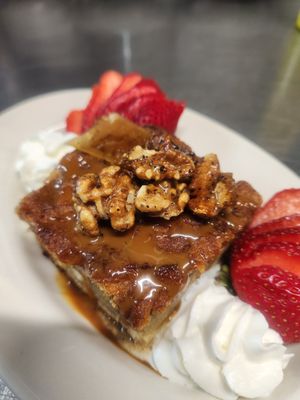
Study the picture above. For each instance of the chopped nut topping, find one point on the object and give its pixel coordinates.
(211, 191)
(121, 208)
(109, 195)
(87, 217)
(138, 153)
(158, 165)
(117, 191)
(162, 200)
(85, 187)
(161, 140)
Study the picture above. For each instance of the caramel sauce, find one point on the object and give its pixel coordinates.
(142, 269)
(82, 303)
(87, 307)
(140, 247)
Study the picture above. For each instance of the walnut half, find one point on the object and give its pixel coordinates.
(158, 165)
(210, 190)
(162, 199)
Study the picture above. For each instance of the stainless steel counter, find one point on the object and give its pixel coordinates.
(235, 61)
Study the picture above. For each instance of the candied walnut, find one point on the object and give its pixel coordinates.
(121, 209)
(108, 178)
(87, 217)
(223, 190)
(162, 199)
(211, 191)
(85, 186)
(109, 195)
(161, 140)
(158, 165)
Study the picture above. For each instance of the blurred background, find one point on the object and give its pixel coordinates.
(235, 61)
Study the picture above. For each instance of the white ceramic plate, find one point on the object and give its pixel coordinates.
(47, 350)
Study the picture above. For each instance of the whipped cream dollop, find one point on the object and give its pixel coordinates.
(220, 344)
(39, 155)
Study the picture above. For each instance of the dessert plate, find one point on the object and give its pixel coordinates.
(47, 350)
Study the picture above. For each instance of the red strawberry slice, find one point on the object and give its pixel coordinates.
(158, 112)
(289, 221)
(121, 102)
(281, 254)
(265, 263)
(284, 203)
(131, 108)
(128, 82)
(137, 98)
(108, 84)
(268, 278)
(74, 121)
(276, 294)
(250, 240)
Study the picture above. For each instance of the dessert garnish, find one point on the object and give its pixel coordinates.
(220, 344)
(265, 264)
(39, 155)
(133, 96)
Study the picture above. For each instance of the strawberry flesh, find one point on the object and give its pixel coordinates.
(274, 292)
(289, 221)
(139, 99)
(121, 102)
(128, 82)
(74, 121)
(108, 84)
(160, 112)
(250, 240)
(284, 203)
(265, 264)
(281, 254)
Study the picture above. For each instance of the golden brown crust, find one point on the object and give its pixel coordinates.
(139, 273)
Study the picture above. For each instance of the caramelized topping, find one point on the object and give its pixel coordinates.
(117, 195)
(139, 272)
(110, 138)
(211, 191)
(162, 200)
(109, 195)
(158, 165)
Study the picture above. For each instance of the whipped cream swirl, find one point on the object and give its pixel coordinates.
(39, 155)
(220, 344)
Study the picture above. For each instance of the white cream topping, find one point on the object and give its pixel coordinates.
(39, 155)
(220, 344)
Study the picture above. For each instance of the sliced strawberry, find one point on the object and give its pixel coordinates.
(276, 294)
(121, 102)
(289, 221)
(158, 112)
(74, 121)
(250, 241)
(131, 108)
(283, 255)
(137, 98)
(265, 263)
(128, 82)
(108, 84)
(284, 203)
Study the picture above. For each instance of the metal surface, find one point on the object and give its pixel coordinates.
(235, 61)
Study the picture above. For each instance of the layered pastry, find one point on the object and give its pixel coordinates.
(133, 217)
